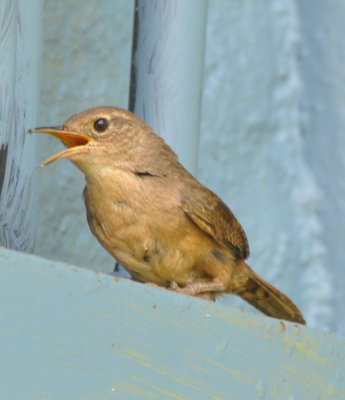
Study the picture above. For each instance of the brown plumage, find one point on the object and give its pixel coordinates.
(155, 218)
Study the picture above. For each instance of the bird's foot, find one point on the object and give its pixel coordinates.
(157, 286)
(197, 288)
(154, 285)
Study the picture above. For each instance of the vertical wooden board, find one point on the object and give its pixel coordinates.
(20, 37)
(167, 71)
(69, 333)
(7, 78)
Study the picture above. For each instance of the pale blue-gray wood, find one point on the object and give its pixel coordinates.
(20, 47)
(70, 333)
(167, 70)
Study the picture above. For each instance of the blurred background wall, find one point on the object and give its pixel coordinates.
(272, 141)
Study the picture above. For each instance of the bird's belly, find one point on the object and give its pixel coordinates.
(152, 245)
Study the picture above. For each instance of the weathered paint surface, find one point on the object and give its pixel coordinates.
(20, 39)
(69, 333)
(254, 143)
(322, 59)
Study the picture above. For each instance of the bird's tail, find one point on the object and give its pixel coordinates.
(268, 299)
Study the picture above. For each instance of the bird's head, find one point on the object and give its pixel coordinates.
(103, 135)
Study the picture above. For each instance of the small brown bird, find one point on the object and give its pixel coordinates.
(155, 218)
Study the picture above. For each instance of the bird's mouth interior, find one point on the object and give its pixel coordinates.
(75, 142)
(69, 139)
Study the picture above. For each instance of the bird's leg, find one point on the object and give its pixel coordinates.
(196, 288)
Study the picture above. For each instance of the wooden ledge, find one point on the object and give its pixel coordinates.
(71, 333)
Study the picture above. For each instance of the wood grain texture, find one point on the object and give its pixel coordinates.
(68, 333)
(20, 41)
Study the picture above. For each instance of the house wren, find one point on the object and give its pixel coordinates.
(155, 218)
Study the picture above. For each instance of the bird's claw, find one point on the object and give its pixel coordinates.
(189, 289)
(174, 286)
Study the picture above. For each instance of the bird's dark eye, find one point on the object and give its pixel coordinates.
(100, 125)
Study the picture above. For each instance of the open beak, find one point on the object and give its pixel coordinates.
(75, 142)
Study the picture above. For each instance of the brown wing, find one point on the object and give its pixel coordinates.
(215, 218)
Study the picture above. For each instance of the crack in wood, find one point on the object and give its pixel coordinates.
(3, 160)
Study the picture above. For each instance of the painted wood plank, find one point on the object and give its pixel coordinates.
(167, 71)
(70, 333)
(20, 39)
